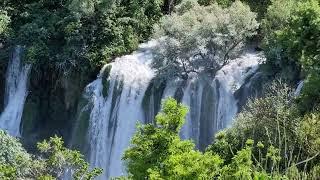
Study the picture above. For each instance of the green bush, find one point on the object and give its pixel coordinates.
(51, 163)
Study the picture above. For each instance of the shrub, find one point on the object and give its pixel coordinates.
(52, 162)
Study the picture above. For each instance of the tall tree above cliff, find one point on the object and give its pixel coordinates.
(198, 39)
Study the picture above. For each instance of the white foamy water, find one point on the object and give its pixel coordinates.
(15, 93)
(212, 103)
(114, 118)
(298, 90)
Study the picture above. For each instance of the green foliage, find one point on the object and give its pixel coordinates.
(287, 144)
(80, 35)
(292, 46)
(14, 160)
(53, 161)
(157, 152)
(258, 6)
(309, 132)
(310, 95)
(264, 118)
(58, 159)
(197, 39)
(4, 22)
(297, 33)
(172, 115)
(280, 58)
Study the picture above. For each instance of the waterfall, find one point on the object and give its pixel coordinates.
(212, 104)
(15, 93)
(124, 91)
(117, 109)
(298, 90)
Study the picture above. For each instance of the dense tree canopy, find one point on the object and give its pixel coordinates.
(80, 34)
(292, 46)
(198, 39)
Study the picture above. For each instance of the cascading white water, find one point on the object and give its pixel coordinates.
(231, 78)
(15, 93)
(117, 104)
(298, 90)
(210, 112)
(192, 98)
(113, 118)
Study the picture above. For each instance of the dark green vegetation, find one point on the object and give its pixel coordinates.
(79, 34)
(51, 162)
(292, 47)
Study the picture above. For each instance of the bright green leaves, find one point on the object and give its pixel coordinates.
(157, 152)
(7, 172)
(305, 31)
(172, 115)
(52, 162)
(309, 133)
(58, 159)
(14, 160)
(4, 23)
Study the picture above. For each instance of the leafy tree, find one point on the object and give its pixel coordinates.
(58, 159)
(310, 95)
(292, 46)
(199, 39)
(264, 118)
(15, 161)
(80, 35)
(4, 22)
(258, 6)
(279, 60)
(309, 132)
(52, 162)
(157, 152)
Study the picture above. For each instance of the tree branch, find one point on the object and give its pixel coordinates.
(307, 160)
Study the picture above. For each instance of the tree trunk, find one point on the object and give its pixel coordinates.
(169, 6)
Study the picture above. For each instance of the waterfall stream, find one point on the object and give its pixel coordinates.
(118, 94)
(114, 117)
(15, 93)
